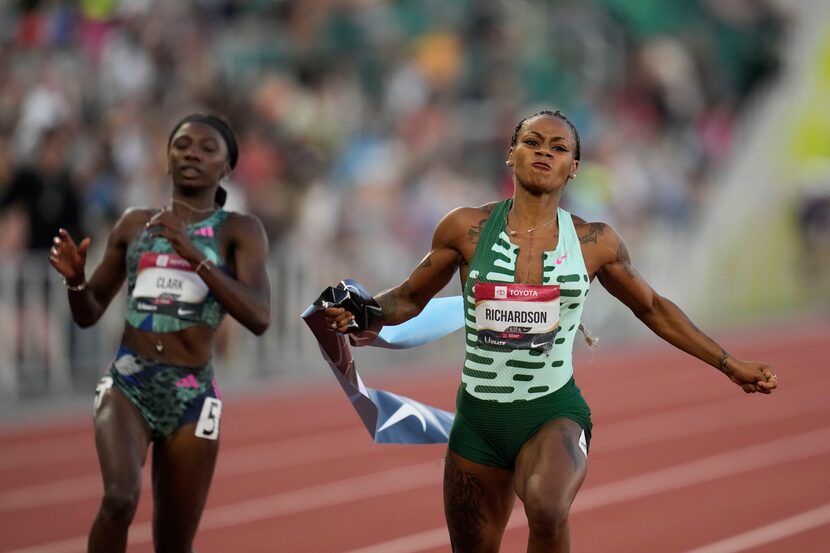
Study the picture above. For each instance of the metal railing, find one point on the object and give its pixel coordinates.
(45, 355)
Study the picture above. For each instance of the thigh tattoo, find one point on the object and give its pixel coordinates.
(463, 498)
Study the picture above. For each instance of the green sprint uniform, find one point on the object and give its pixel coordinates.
(509, 387)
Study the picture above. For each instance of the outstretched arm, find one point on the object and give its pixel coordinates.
(408, 299)
(668, 321)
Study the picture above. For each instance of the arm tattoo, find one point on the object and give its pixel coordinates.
(463, 498)
(722, 362)
(423, 264)
(475, 231)
(625, 259)
(388, 303)
(595, 230)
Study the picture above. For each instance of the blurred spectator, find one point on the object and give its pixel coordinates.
(399, 107)
(46, 192)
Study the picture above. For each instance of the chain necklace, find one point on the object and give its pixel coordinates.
(194, 209)
(528, 231)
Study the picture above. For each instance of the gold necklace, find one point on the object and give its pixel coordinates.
(194, 209)
(528, 231)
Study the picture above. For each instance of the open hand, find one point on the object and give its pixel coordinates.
(68, 258)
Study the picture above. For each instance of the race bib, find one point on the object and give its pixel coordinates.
(208, 425)
(517, 316)
(168, 285)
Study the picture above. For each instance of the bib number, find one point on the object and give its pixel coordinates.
(208, 425)
(103, 385)
(168, 276)
(517, 316)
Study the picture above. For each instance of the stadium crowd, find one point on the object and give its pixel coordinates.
(350, 112)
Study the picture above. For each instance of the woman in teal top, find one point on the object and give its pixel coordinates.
(185, 265)
(521, 426)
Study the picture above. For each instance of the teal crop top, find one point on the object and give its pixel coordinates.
(164, 292)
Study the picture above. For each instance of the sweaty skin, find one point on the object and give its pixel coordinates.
(198, 157)
(542, 168)
(550, 466)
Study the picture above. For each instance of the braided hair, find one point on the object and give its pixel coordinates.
(559, 115)
(590, 339)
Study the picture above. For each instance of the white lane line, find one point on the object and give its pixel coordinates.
(738, 461)
(801, 446)
(774, 452)
(771, 532)
(770, 453)
(281, 504)
(52, 493)
(341, 444)
(47, 451)
(244, 460)
(707, 417)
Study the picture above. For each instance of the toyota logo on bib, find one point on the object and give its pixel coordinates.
(501, 291)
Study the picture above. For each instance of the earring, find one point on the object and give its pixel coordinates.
(508, 163)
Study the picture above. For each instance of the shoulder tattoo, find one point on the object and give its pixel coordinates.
(474, 232)
(592, 234)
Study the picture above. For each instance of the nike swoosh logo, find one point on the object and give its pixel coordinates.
(185, 312)
(404, 411)
(533, 343)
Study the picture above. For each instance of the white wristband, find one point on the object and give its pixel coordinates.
(78, 288)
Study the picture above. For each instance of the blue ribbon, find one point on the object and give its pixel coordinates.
(441, 316)
(391, 418)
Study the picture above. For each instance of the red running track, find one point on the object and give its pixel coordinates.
(682, 461)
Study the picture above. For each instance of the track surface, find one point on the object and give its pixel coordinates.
(682, 461)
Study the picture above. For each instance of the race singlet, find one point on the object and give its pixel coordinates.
(168, 285)
(517, 316)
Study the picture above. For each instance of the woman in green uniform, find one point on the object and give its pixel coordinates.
(522, 426)
(185, 265)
